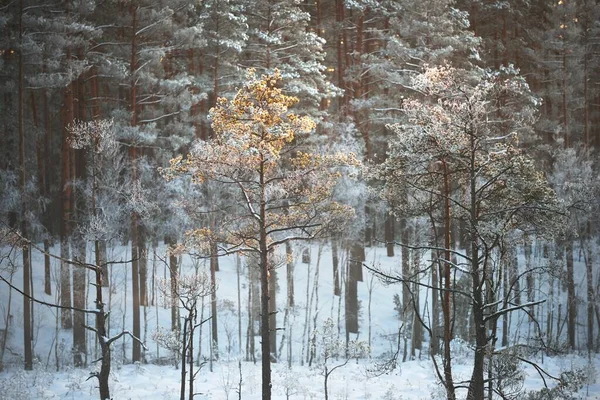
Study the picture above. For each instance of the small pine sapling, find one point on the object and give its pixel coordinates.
(335, 353)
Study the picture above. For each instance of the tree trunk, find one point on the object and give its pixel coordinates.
(405, 230)
(351, 294)
(47, 277)
(135, 289)
(273, 307)
(135, 222)
(265, 274)
(290, 274)
(214, 261)
(173, 276)
(79, 286)
(477, 383)
(143, 251)
(572, 305)
(389, 234)
(417, 328)
(337, 291)
(65, 268)
(26, 249)
(590, 294)
(446, 308)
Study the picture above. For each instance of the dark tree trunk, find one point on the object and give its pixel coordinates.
(26, 249)
(389, 235)
(273, 308)
(590, 295)
(572, 305)
(337, 291)
(351, 295)
(135, 220)
(446, 306)
(173, 276)
(406, 296)
(79, 285)
(143, 251)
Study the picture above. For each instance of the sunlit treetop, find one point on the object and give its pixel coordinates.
(257, 152)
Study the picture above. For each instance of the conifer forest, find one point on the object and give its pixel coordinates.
(300, 199)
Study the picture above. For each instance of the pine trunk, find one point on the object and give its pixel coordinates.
(26, 249)
(572, 305)
(214, 262)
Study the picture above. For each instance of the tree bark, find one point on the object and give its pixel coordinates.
(135, 223)
(351, 295)
(214, 262)
(26, 249)
(290, 274)
(446, 308)
(273, 307)
(572, 305)
(337, 291)
(79, 285)
(389, 234)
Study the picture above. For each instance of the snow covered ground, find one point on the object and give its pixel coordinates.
(357, 380)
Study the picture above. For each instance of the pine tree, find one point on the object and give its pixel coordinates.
(449, 133)
(282, 192)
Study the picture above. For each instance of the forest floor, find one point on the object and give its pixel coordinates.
(359, 379)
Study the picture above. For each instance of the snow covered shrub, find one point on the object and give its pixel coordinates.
(16, 386)
(169, 340)
(509, 376)
(390, 394)
(570, 382)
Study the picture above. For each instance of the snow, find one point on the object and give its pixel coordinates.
(413, 379)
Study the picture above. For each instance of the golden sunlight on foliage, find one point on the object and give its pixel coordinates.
(284, 192)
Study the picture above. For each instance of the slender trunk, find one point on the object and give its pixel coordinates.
(135, 220)
(273, 307)
(65, 268)
(143, 251)
(183, 359)
(505, 294)
(289, 274)
(590, 295)
(336, 265)
(238, 264)
(101, 333)
(26, 249)
(47, 264)
(447, 286)
(250, 330)
(572, 305)
(477, 383)
(79, 285)
(173, 276)
(135, 289)
(213, 300)
(417, 328)
(405, 238)
(265, 273)
(190, 360)
(43, 174)
(434, 346)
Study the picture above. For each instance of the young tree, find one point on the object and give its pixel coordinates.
(190, 290)
(454, 132)
(333, 352)
(11, 238)
(282, 192)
